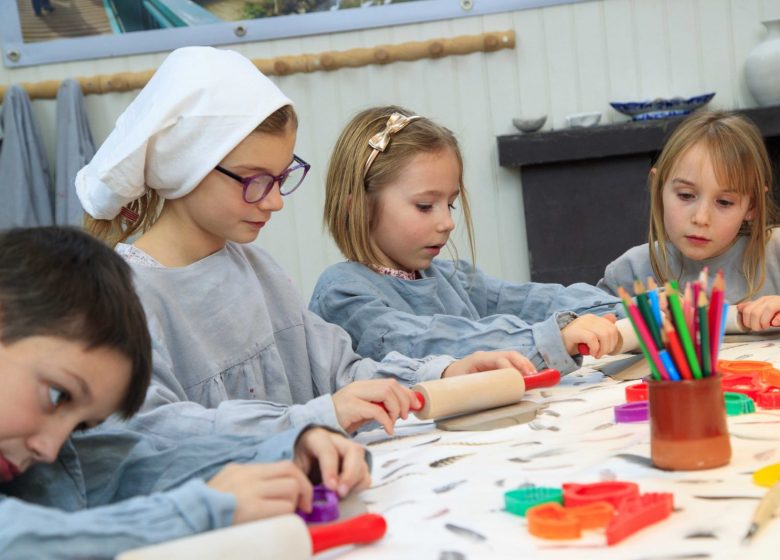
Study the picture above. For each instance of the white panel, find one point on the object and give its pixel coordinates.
(503, 100)
(562, 70)
(649, 27)
(590, 53)
(718, 51)
(683, 49)
(622, 55)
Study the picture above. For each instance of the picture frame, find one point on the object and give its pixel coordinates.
(21, 47)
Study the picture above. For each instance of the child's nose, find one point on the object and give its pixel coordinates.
(447, 223)
(701, 214)
(46, 444)
(273, 201)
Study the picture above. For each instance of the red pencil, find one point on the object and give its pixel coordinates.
(716, 316)
(675, 349)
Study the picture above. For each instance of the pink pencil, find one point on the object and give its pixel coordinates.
(636, 316)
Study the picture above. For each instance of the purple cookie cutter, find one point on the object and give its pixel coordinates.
(324, 507)
(638, 411)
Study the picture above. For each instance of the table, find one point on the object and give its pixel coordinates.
(426, 480)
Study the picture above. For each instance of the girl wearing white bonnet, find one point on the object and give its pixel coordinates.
(235, 349)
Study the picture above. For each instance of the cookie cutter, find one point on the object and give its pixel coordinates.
(520, 500)
(324, 507)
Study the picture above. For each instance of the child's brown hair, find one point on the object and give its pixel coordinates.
(61, 282)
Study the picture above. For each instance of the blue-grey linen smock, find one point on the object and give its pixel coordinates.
(114, 490)
(635, 263)
(236, 351)
(454, 309)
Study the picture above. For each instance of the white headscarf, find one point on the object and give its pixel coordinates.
(199, 105)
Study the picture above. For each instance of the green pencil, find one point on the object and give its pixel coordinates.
(682, 330)
(704, 335)
(643, 303)
(626, 299)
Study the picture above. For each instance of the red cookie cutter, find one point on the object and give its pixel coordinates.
(745, 383)
(637, 513)
(637, 392)
(612, 491)
(769, 398)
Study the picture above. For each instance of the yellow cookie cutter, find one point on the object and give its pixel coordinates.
(767, 476)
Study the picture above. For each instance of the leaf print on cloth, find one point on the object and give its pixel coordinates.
(465, 532)
(438, 463)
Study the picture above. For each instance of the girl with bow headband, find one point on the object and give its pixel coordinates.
(393, 181)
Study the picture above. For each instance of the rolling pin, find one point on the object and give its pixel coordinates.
(284, 536)
(463, 394)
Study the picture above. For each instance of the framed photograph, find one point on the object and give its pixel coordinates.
(48, 31)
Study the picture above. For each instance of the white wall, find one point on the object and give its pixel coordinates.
(568, 59)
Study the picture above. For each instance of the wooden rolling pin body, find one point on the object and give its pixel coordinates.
(284, 536)
(463, 394)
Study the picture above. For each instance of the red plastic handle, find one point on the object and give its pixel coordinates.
(583, 349)
(420, 399)
(543, 378)
(362, 529)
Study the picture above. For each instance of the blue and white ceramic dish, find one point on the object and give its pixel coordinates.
(661, 108)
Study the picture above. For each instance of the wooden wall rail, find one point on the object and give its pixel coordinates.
(285, 65)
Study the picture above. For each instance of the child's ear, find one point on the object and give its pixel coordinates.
(349, 203)
(653, 172)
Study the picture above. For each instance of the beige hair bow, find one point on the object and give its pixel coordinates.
(379, 141)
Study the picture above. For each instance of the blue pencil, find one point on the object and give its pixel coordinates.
(666, 359)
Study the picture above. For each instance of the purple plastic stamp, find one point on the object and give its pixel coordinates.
(324, 507)
(638, 411)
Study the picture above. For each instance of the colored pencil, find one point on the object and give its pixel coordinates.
(643, 304)
(643, 336)
(706, 355)
(682, 330)
(696, 327)
(675, 349)
(716, 315)
(666, 359)
(655, 304)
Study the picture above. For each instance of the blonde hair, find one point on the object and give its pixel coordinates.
(740, 161)
(351, 199)
(148, 207)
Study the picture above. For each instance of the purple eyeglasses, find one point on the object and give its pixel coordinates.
(257, 187)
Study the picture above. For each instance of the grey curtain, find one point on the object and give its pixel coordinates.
(75, 148)
(25, 185)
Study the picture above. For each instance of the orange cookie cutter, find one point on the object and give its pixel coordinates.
(555, 522)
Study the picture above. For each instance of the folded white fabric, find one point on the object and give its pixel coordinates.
(199, 105)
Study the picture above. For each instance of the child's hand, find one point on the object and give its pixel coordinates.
(264, 490)
(759, 314)
(342, 463)
(486, 361)
(599, 333)
(382, 400)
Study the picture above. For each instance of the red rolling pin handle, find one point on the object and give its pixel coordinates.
(420, 402)
(362, 529)
(583, 349)
(543, 378)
